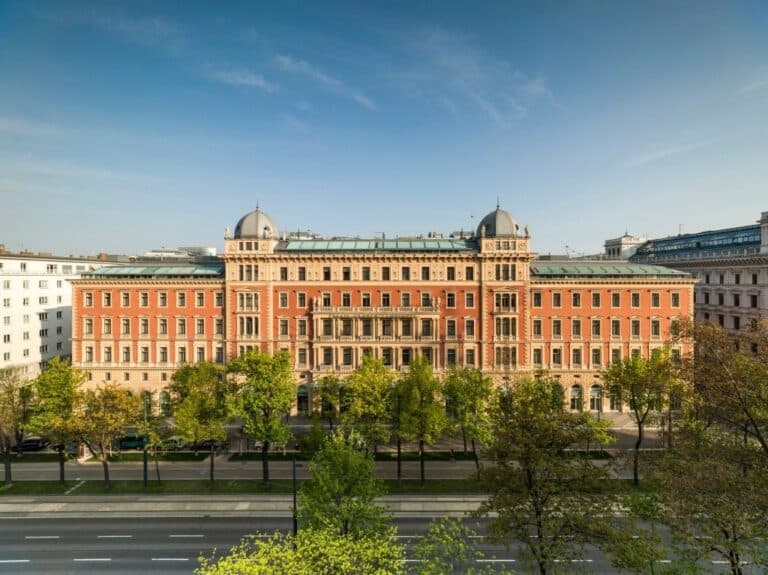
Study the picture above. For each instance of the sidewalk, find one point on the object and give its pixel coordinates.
(212, 505)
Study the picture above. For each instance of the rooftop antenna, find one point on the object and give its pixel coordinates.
(498, 203)
(679, 229)
(257, 205)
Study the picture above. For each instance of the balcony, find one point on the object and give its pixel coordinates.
(354, 311)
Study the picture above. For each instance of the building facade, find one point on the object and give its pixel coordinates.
(36, 308)
(482, 301)
(731, 266)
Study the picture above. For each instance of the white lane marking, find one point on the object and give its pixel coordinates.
(114, 536)
(14, 560)
(41, 537)
(71, 489)
(170, 559)
(495, 560)
(189, 536)
(92, 559)
(664, 561)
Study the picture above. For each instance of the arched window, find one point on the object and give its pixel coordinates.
(596, 398)
(165, 403)
(302, 400)
(577, 397)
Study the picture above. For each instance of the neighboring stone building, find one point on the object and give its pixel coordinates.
(482, 301)
(623, 247)
(36, 308)
(731, 265)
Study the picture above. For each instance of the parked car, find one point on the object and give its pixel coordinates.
(174, 443)
(132, 439)
(32, 443)
(205, 444)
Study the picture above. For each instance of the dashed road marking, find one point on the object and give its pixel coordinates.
(41, 537)
(188, 536)
(170, 558)
(71, 489)
(92, 559)
(14, 560)
(114, 536)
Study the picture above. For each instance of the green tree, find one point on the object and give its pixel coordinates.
(155, 429)
(101, 416)
(367, 396)
(712, 493)
(340, 496)
(549, 503)
(422, 415)
(467, 395)
(56, 393)
(329, 392)
(645, 384)
(265, 392)
(200, 394)
(14, 395)
(312, 552)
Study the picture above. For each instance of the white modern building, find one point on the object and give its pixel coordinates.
(36, 307)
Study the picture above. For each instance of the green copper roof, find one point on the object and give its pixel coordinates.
(420, 245)
(159, 271)
(600, 269)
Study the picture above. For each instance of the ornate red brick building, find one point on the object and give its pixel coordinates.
(480, 300)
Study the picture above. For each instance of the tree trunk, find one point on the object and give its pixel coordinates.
(421, 460)
(265, 462)
(105, 466)
(7, 462)
(399, 459)
(62, 459)
(19, 435)
(477, 458)
(157, 467)
(464, 437)
(636, 456)
(145, 470)
(213, 454)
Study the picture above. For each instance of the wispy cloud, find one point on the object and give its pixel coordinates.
(664, 152)
(304, 68)
(151, 32)
(456, 70)
(243, 78)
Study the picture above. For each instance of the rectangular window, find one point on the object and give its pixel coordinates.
(537, 357)
(181, 326)
(144, 299)
(426, 299)
(655, 299)
(425, 273)
(720, 299)
(162, 326)
(407, 327)
(450, 328)
(616, 327)
(469, 300)
(346, 327)
(106, 327)
(595, 299)
(219, 299)
(469, 357)
(346, 299)
(366, 300)
(576, 327)
(737, 279)
(108, 354)
(199, 299)
(106, 299)
(536, 325)
(88, 354)
(283, 327)
(162, 299)
(595, 328)
(450, 357)
(125, 299)
(200, 326)
(537, 299)
(635, 299)
(219, 326)
(576, 356)
(615, 299)
(87, 326)
(327, 356)
(556, 299)
(301, 299)
(405, 299)
(450, 273)
(596, 358)
(469, 273)
(181, 299)
(655, 328)
(200, 353)
(366, 273)
(450, 300)
(182, 354)
(753, 300)
(163, 355)
(722, 279)
(385, 300)
(469, 328)
(346, 274)
(346, 356)
(219, 354)
(426, 328)
(385, 273)
(557, 356)
(615, 355)
(736, 300)
(557, 329)
(675, 299)
(283, 274)
(327, 327)
(635, 326)
(125, 326)
(386, 356)
(283, 299)
(754, 279)
(126, 354)
(302, 274)
(576, 299)
(327, 274)
(144, 355)
(405, 273)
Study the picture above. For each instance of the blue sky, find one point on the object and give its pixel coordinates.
(131, 125)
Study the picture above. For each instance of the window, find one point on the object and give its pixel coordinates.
(576, 299)
(326, 299)
(505, 302)
(283, 303)
(385, 300)
(595, 328)
(162, 299)
(616, 328)
(425, 273)
(125, 299)
(536, 328)
(426, 328)
(218, 326)
(346, 356)
(450, 328)
(43, 316)
(450, 357)
(615, 299)
(737, 279)
(87, 326)
(385, 273)
(754, 279)
(43, 284)
(405, 299)
(386, 356)
(106, 326)
(327, 274)
(736, 300)
(346, 327)
(753, 300)
(346, 274)
(576, 398)
(7, 302)
(327, 327)
(181, 299)
(537, 299)
(42, 300)
(675, 299)
(505, 272)
(655, 328)
(655, 299)
(469, 357)
(301, 299)
(302, 273)
(469, 300)
(595, 299)
(283, 327)
(126, 354)
(143, 326)
(199, 299)
(144, 299)
(557, 329)
(405, 356)
(125, 326)
(426, 299)
(182, 354)
(162, 326)
(327, 356)
(635, 299)
(108, 354)
(635, 327)
(407, 327)
(469, 273)
(88, 354)
(537, 356)
(576, 357)
(615, 356)
(469, 328)
(720, 299)
(556, 299)
(557, 356)
(706, 298)
(596, 357)
(219, 299)
(283, 273)
(302, 357)
(450, 300)
(200, 326)
(576, 327)
(736, 323)
(405, 272)
(366, 273)
(450, 273)
(144, 355)
(181, 326)
(200, 353)
(163, 355)
(346, 299)
(106, 299)
(7, 337)
(366, 300)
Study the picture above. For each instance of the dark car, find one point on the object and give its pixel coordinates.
(32, 443)
(132, 441)
(206, 444)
